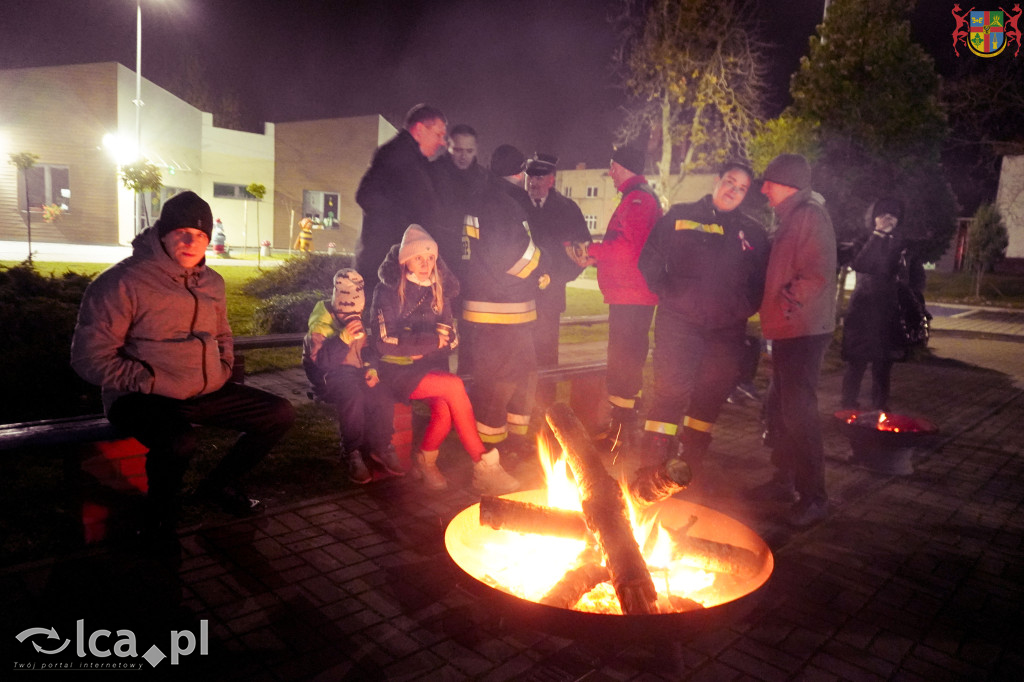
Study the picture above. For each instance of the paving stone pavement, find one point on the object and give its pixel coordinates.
(917, 577)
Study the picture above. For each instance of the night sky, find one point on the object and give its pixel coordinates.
(535, 73)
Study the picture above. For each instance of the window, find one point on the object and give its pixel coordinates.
(48, 184)
(592, 191)
(567, 192)
(322, 208)
(591, 222)
(223, 190)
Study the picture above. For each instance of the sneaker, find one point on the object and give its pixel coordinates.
(806, 514)
(389, 460)
(357, 471)
(425, 463)
(748, 390)
(231, 499)
(490, 478)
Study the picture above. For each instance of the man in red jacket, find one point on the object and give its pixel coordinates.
(630, 302)
(798, 315)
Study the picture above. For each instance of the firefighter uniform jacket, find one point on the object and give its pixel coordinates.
(706, 265)
(500, 265)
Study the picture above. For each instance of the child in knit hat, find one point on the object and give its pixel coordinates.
(412, 326)
(340, 368)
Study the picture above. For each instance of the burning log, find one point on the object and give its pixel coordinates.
(718, 557)
(525, 517)
(574, 584)
(606, 515)
(655, 483)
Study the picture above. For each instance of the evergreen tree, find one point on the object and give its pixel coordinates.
(875, 94)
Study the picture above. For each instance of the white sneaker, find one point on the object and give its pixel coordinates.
(490, 478)
(426, 468)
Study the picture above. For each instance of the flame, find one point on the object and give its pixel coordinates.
(528, 566)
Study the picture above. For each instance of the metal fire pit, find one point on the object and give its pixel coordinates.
(466, 539)
(885, 442)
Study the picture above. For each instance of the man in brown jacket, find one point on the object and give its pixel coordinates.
(798, 316)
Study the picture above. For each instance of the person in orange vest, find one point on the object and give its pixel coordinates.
(304, 242)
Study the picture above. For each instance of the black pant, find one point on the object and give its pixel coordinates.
(695, 369)
(365, 415)
(165, 426)
(545, 335)
(504, 375)
(628, 343)
(880, 382)
(792, 410)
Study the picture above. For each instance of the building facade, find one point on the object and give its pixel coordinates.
(594, 192)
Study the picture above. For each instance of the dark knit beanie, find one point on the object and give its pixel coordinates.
(507, 160)
(185, 210)
(890, 205)
(791, 170)
(630, 158)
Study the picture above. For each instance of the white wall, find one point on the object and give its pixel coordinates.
(1010, 200)
(239, 158)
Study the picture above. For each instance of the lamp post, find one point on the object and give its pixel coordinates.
(138, 98)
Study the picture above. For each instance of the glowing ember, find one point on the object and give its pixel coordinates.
(529, 565)
(884, 421)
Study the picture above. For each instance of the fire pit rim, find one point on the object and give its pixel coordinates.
(619, 627)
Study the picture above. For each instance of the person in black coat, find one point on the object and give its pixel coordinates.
(871, 312)
(555, 221)
(397, 190)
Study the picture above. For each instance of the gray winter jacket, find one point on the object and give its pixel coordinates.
(148, 325)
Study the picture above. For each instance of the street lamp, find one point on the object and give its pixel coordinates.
(138, 97)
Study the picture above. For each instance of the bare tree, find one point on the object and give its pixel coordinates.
(695, 72)
(23, 161)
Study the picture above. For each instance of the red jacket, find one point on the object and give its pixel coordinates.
(617, 273)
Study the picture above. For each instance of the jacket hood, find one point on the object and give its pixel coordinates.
(147, 246)
(802, 196)
(390, 273)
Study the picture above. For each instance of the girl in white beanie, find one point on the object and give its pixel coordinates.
(412, 326)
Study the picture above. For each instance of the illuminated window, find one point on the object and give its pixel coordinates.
(223, 190)
(48, 184)
(321, 208)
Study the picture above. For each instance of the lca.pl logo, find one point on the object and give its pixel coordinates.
(986, 32)
(101, 644)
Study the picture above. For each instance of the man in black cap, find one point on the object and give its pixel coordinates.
(397, 190)
(798, 316)
(509, 164)
(556, 223)
(153, 333)
(706, 262)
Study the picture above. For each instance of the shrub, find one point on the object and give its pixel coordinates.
(38, 315)
(314, 272)
(286, 312)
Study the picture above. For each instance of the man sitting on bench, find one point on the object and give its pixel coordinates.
(153, 333)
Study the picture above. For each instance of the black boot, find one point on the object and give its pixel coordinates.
(656, 448)
(622, 433)
(694, 445)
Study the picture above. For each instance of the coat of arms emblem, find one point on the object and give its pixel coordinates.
(986, 32)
